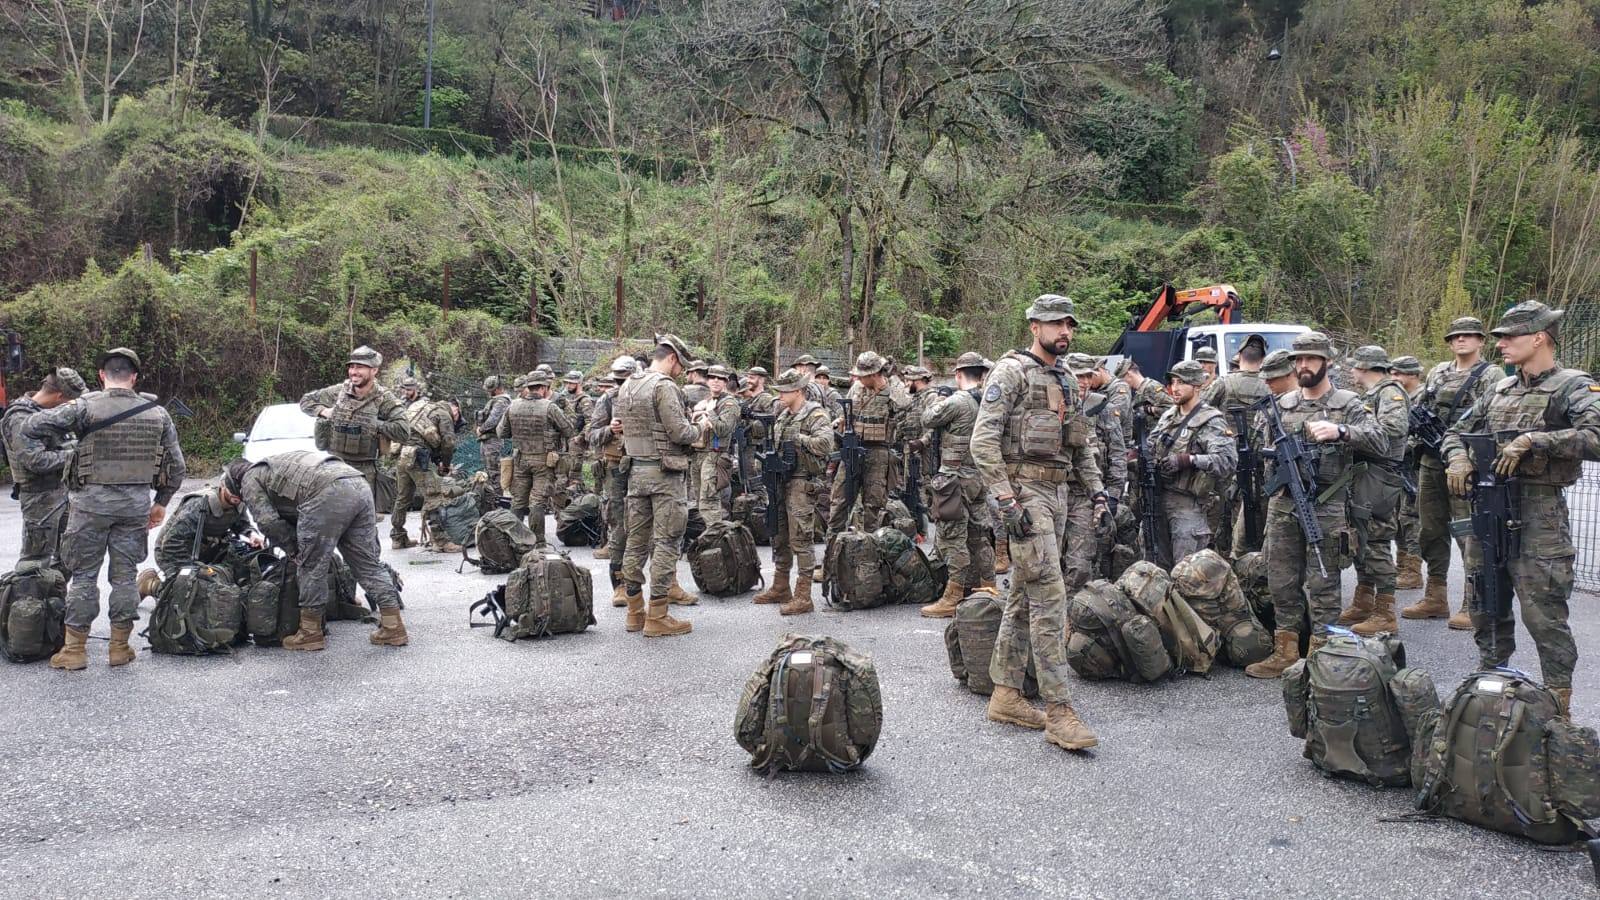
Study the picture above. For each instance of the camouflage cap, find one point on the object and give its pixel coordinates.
(1206, 354)
(68, 382)
(760, 371)
(1123, 365)
(1079, 363)
(491, 383)
(718, 371)
(1052, 308)
(1189, 372)
(1465, 325)
(868, 363)
(520, 382)
(698, 365)
(624, 365)
(1406, 365)
(1277, 364)
(677, 346)
(410, 384)
(806, 359)
(790, 381)
(916, 373)
(123, 352)
(1311, 343)
(1528, 317)
(365, 356)
(822, 372)
(1370, 356)
(574, 377)
(972, 360)
(537, 378)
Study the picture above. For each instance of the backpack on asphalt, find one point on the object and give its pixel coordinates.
(502, 540)
(1111, 638)
(343, 603)
(272, 602)
(1498, 756)
(579, 525)
(912, 576)
(749, 510)
(853, 573)
(813, 706)
(33, 608)
(1191, 644)
(899, 517)
(1339, 700)
(458, 519)
(969, 642)
(723, 559)
(1251, 570)
(545, 595)
(199, 610)
(1212, 590)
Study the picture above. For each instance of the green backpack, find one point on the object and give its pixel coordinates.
(969, 642)
(1251, 570)
(1499, 756)
(199, 610)
(1339, 700)
(579, 525)
(502, 540)
(545, 595)
(272, 602)
(1212, 590)
(1191, 644)
(1111, 638)
(853, 573)
(812, 706)
(33, 605)
(458, 519)
(723, 559)
(912, 577)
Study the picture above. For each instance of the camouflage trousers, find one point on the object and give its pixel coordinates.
(963, 542)
(1035, 608)
(1406, 537)
(1435, 508)
(340, 516)
(532, 483)
(658, 512)
(793, 543)
(1292, 573)
(878, 480)
(705, 486)
(1078, 547)
(44, 517)
(409, 481)
(1541, 576)
(614, 512)
(368, 469)
(1189, 521)
(122, 542)
(1375, 564)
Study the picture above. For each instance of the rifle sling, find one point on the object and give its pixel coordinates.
(129, 413)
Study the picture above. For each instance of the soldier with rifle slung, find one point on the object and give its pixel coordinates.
(1538, 425)
(876, 420)
(962, 536)
(796, 455)
(1240, 507)
(1195, 450)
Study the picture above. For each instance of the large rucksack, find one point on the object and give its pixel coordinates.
(545, 595)
(750, 510)
(1499, 756)
(502, 540)
(1211, 589)
(899, 517)
(1251, 570)
(32, 611)
(853, 573)
(969, 642)
(1339, 700)
(912, 576)
(199, 610)
(458, 519)
(813, 705)
(1111, 638)
(723, 559)
(272, 602)
(579, 525)
(1191, 644)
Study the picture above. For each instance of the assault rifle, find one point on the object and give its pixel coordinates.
(741, 443)
(777, 466)
(1295, 469)
(852, 456)
(1152, 505)
(911, 493)
(1496, 522)
(1427, 428)
(1249, 479)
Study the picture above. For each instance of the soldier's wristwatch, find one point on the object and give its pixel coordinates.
(1344, 433)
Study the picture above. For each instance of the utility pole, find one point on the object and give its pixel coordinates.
(427, 76)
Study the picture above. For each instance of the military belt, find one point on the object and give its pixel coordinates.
(647, 463)
(1033, 472)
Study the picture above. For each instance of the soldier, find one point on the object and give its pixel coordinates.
(1277, 371)
(1207, 358)
(919, 382)
(877, 418)
(127, 445)
(1196, 449)
(1030, 444)
(496, 452)
(962, 536)
(1452, 387)
(615, 484)
(577, 405)
(1554, 415)
(538, 429)
(1408, 557)
(657, 436)
(353, 415)
(430, 444)
(696, 380)
(37, 465)
(802, 435)
(1149, 396)
(1375, 494)
(717, 415)
(1233, 395)
(1334, 425)
(830, 397)
(310, 504)
(215, 516)
(1120, 395)
(1111, 451)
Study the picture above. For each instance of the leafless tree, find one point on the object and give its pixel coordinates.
(85, 38)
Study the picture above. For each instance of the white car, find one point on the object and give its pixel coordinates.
(280, 428)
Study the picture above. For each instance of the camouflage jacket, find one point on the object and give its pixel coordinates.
(1447, 393)
(1559, 407)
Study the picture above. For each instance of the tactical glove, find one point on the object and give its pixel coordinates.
(1459, 474)
(1176, 463)
(1511, 455)
(1019, 525)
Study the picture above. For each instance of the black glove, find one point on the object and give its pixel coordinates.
(1019, 525)
(1176, 463)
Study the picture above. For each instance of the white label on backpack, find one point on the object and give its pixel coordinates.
(800, 658)
(186, 570)
(1491, 686)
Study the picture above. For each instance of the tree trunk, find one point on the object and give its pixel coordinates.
(847, 273)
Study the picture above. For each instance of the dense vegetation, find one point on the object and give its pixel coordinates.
(858, 171)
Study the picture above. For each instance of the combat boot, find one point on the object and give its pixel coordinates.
(1433, 604)
(401, 541)
(1564, 701)
(1316, 642)
(602, 553)
(121, 654)
(1002, 556)
(445, 547)
(800, 604)
(391, 631)
(1462, 620)
(310, 636)
(680, 597)
(1285, 653)
(71, 656)
(1408, 575)
(619, 596)
(1382, 618)
(778, 591)
(945, 606)
(658, 623)
(635, 618)
(1064, 729)
(1008, 706)
(149, 583)
(1360, 606)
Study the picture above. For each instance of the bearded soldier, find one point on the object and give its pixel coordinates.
(354, 415)
(1195, 449)
(429, 446)
(615, 486)
(803, 438)
(1375, 494)
(717, 415)
(1546, 422)
(962, 536)
(1031, 444)
(37, 465)
(537, 429)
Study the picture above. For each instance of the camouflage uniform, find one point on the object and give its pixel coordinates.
(1375, 495)
(430, 439)
(877, 420)
(577, 406)
(1233, 394)
(1196, 451)
(354, 432)
(496, 450)
(810, 435)
(202, 513)
(1405, 538)
(717, 418)
(1556, 414)
(921, 400)
(656, 435)
(1111, 456)
(1121, 398)
(37, 470)
(962, 537)
(538, 429)
(615, 487)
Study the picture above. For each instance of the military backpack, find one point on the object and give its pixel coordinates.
(32, 611)
(969, 642)
(272, 602)
(547, 594)
(814, 705)
(749, 510)
(458, 520)
(502, 540)
(853, 573)
(723, 560)
(199, 610)
(579, 525)
(1111, 638)
(1345, 701)
(912, 576)
(1211, 589)
(1192, 645)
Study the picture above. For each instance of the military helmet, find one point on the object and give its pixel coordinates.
(365, 356)
(791, 380)
(1123, 365)
(1052, 308)
(1189, 372)
(1371, 357)
(409, 383)
(1465, 325)
(68, 382)
(537, 378)
(806, 359)
(916, 373)
(491, 383)
(1406, 365)
(1277, 364)
(822, 372)
(718, 371)
(868, 363)
(1079, 363)
(972, 360)
(1528, 317)
(1206, 354)
(123, 352)
(1311, 343)
(624, 365)
(520, 382)
(757, 370)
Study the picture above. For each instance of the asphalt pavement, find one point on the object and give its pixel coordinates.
(604, 764)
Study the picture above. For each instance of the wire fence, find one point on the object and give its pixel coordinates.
(1580, 349)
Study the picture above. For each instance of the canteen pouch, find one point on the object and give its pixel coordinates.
(947, 500)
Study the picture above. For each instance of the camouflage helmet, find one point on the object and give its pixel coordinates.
(718, 371)
(868, 363)
(1406, 365)
(1370, 357)
(1188, 372)
(1052, 308)
(790, 381)
(1311, 343)
(492, 384)
(1079, 363)
(410, 383)
(545, 368)
(520, 382)
(758, 371)
(537, 378)
(1206, 354)
(1465, 325)
(677, 346)
(1123, 365)
(573, 377)
(1201, 576)
(1528, 317)
(1277, 364)
(123, 352)
(365, 356)
(624, 365)
(67, 382)
(972, 360)
(822, 372)
(806, 359)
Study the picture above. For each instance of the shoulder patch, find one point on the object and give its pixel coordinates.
(1594, 388)
(992, 393)
(1396, 398)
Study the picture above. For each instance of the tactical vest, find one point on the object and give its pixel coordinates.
(353, 428)
(128, 452)
(611, 450)
(789, 425)
(644, 436)
(496, 404)
(1333, 457)
(955, 442)
(531, 431)
(1397, 448)
(1046, 423)
(1444, 386)
(872, 417)
(695, 393)
(300, 474)
(1191, 481)
(1240, 390)
(1515, 407)
(419, 422)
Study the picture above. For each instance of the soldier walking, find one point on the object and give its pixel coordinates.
(1375, 495)
(962, 536)
(353, 415)
(1196, 450)
(802, 436)
(37, 466)
(537, 429)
